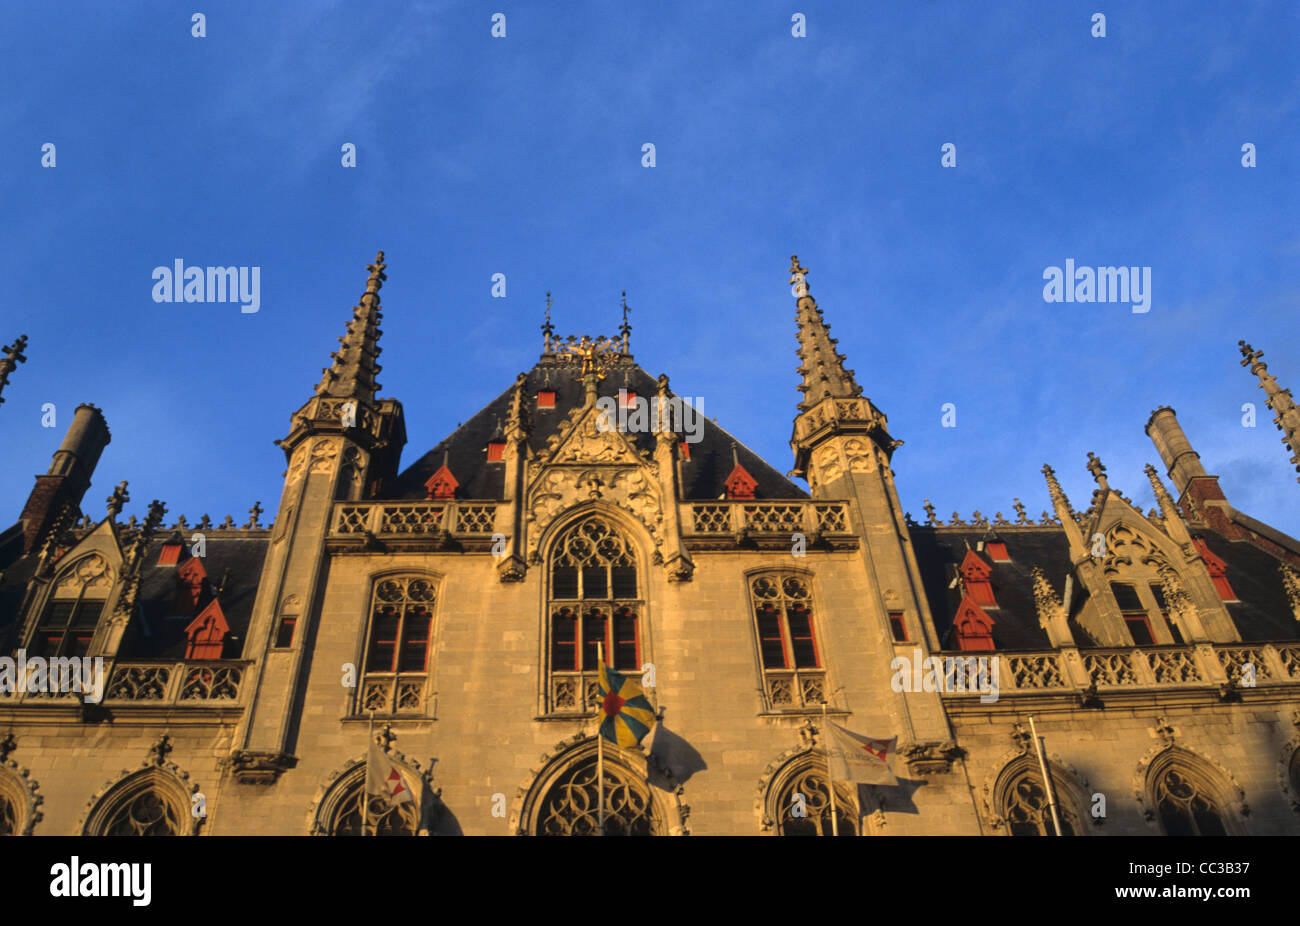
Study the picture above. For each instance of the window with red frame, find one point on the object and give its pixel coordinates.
(783, 621)
(401, 623)
(897, 627)
(1134, 613)
(67, 627)
(594, 602)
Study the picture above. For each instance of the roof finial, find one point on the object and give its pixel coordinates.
(1098, 471)
(117, 501)
(547, 328)
(12, 356)
(625, 329)
(377, 275)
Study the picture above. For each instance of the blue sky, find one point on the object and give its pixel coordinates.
(523, 156)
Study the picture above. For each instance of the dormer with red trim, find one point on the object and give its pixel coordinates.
(973, 626)
(1218, 570)
(546, 398)
(442, 484)
(975, 572)
(170, 554)
(740, 484)
(207, 633)
(190, 580)
(996, 548)
(496, 451)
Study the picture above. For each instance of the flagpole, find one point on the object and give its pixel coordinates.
(365, 792)
(600, 754)
(1047, 779)
(830, 774)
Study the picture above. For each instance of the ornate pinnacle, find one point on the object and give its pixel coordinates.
(1054, 490)
(1098, 471)
(518, 423)
(1286, 414)
(1291, 585)
(117, 501)
(1020, 512)
(9, 360)
(1163, 498)
(548, 330)
(625, 329)
(929, 512)
(1045, 600)
(254, 513)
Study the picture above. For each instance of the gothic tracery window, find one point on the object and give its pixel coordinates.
(149, 803)
(1185, 804)
(787, 641)
(1025, 807)
(594, 605)
(353, 812)
(398, 645)
(570, 807)
(803, 804)
(68, 623)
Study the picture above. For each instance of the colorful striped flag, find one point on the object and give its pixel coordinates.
(625, 714)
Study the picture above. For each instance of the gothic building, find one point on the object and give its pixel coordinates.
(452, 607)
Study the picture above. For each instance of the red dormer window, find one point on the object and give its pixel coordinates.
(190, 579)
(170, 554)
(496, 451)
(1218, 570)
(973, 627)
(207, 633)
(740, 484)
(546, 398)
(627, 398)
(997, 550)
(975, 571)
(442, 484)
(685, 449)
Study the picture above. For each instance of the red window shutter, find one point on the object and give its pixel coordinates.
(207, 633)
(169, 555)
(496, 451)
(546, 398)
(998, 551)
(974, 626)
(686, 451)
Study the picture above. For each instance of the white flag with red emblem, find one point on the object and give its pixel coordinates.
(861, 758)
(385, 779)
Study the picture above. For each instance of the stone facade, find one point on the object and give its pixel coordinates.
(449, 612)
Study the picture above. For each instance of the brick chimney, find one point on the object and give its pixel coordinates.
(69, 473)
(1198, 492)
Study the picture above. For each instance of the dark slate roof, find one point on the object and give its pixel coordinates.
(1263, 613)
(466, 448)
(939, 551)
(242, 556)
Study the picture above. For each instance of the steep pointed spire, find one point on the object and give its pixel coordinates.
(352, 375)
(1163, 498)
(10, 356)
(821, 366)
(1286, 414)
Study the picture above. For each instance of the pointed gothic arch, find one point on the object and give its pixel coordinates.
(1187, 795)
(152, 801)
(794, 797)
(20, 800)
(1019, 805)
(562, 798)
(596, 578)
(342, 807)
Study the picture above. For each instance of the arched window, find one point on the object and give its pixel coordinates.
(18, 801)
(802, 804)
(1022, 801)
(68, 623)
(570, 807)
(149, 803)
(787, 641)
(594, 603)
(397, 646)
(1184, 802)
(350, 811)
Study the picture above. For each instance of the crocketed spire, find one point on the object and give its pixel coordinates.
(1286, 414)
(822, 366)
(352, 375)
